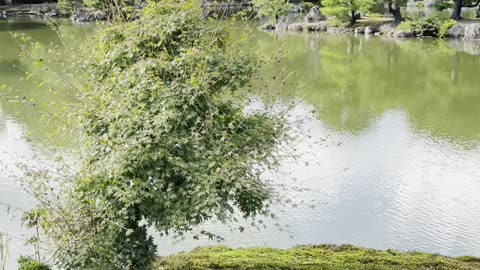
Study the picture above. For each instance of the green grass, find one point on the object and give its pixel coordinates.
(343, 257)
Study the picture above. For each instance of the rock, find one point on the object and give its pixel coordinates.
(387, 29)
(99, 15)
(50, 14)
(472, 31)
(339, 30)
(316, 27)
(369, 30)
(83, 17)
(403, 34)
(377, 34)
(295, 27)
(281, 25)
(313, 16)
(268, 26)
(457, 31)
(295, 9)
(431, 3)
(359, 30)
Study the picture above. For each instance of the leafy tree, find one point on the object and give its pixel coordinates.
(165, 146)
(394, 7)
(459, 4)
(272, 9)
(345, 10)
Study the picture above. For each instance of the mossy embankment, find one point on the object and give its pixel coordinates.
(311, 258)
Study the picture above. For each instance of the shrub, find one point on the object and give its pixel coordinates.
(28, 263)
(436, 26)
(446, 25)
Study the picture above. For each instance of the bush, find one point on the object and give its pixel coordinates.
(446, 25)
(28, 263)
(431, 26)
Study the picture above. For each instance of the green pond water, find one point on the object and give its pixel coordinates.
(391, 132)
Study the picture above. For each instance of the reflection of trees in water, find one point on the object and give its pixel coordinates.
(364, 78)
(19, 25)
(13, 68)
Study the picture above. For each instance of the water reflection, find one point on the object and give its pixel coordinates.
(353, 80)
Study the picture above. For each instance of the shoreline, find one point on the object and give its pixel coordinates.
(312, 257)
(462, 30)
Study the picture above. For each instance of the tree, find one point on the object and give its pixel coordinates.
(345, 10)
(394, 8)
(457, 7)
(272, 9)
(165, 146)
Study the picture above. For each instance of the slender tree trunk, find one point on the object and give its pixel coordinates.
(353, 20)
(457, 10)
(397, 14)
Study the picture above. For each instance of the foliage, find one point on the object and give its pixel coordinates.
(309, 258)
(272, 9)
(27, 263)
(306, 6)
(345, 10)
(436, 26)
(165, 145)
(445, 26)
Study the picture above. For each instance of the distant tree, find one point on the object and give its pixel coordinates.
(345, 10)
(459, 4)
(272, 9)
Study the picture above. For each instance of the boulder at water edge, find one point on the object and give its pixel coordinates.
(472, 31)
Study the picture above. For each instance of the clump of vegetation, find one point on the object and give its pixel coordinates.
(28, 263)
(445, 26)
(310, 258)
(430, 26)
(306, 6)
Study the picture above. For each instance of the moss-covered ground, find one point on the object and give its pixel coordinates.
(310, 258)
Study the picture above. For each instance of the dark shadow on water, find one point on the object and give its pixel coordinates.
(19, 25)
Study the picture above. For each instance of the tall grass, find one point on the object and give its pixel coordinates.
(3, 250)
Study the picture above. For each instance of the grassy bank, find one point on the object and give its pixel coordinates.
(310, 258)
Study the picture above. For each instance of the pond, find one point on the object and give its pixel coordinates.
(398, 165)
